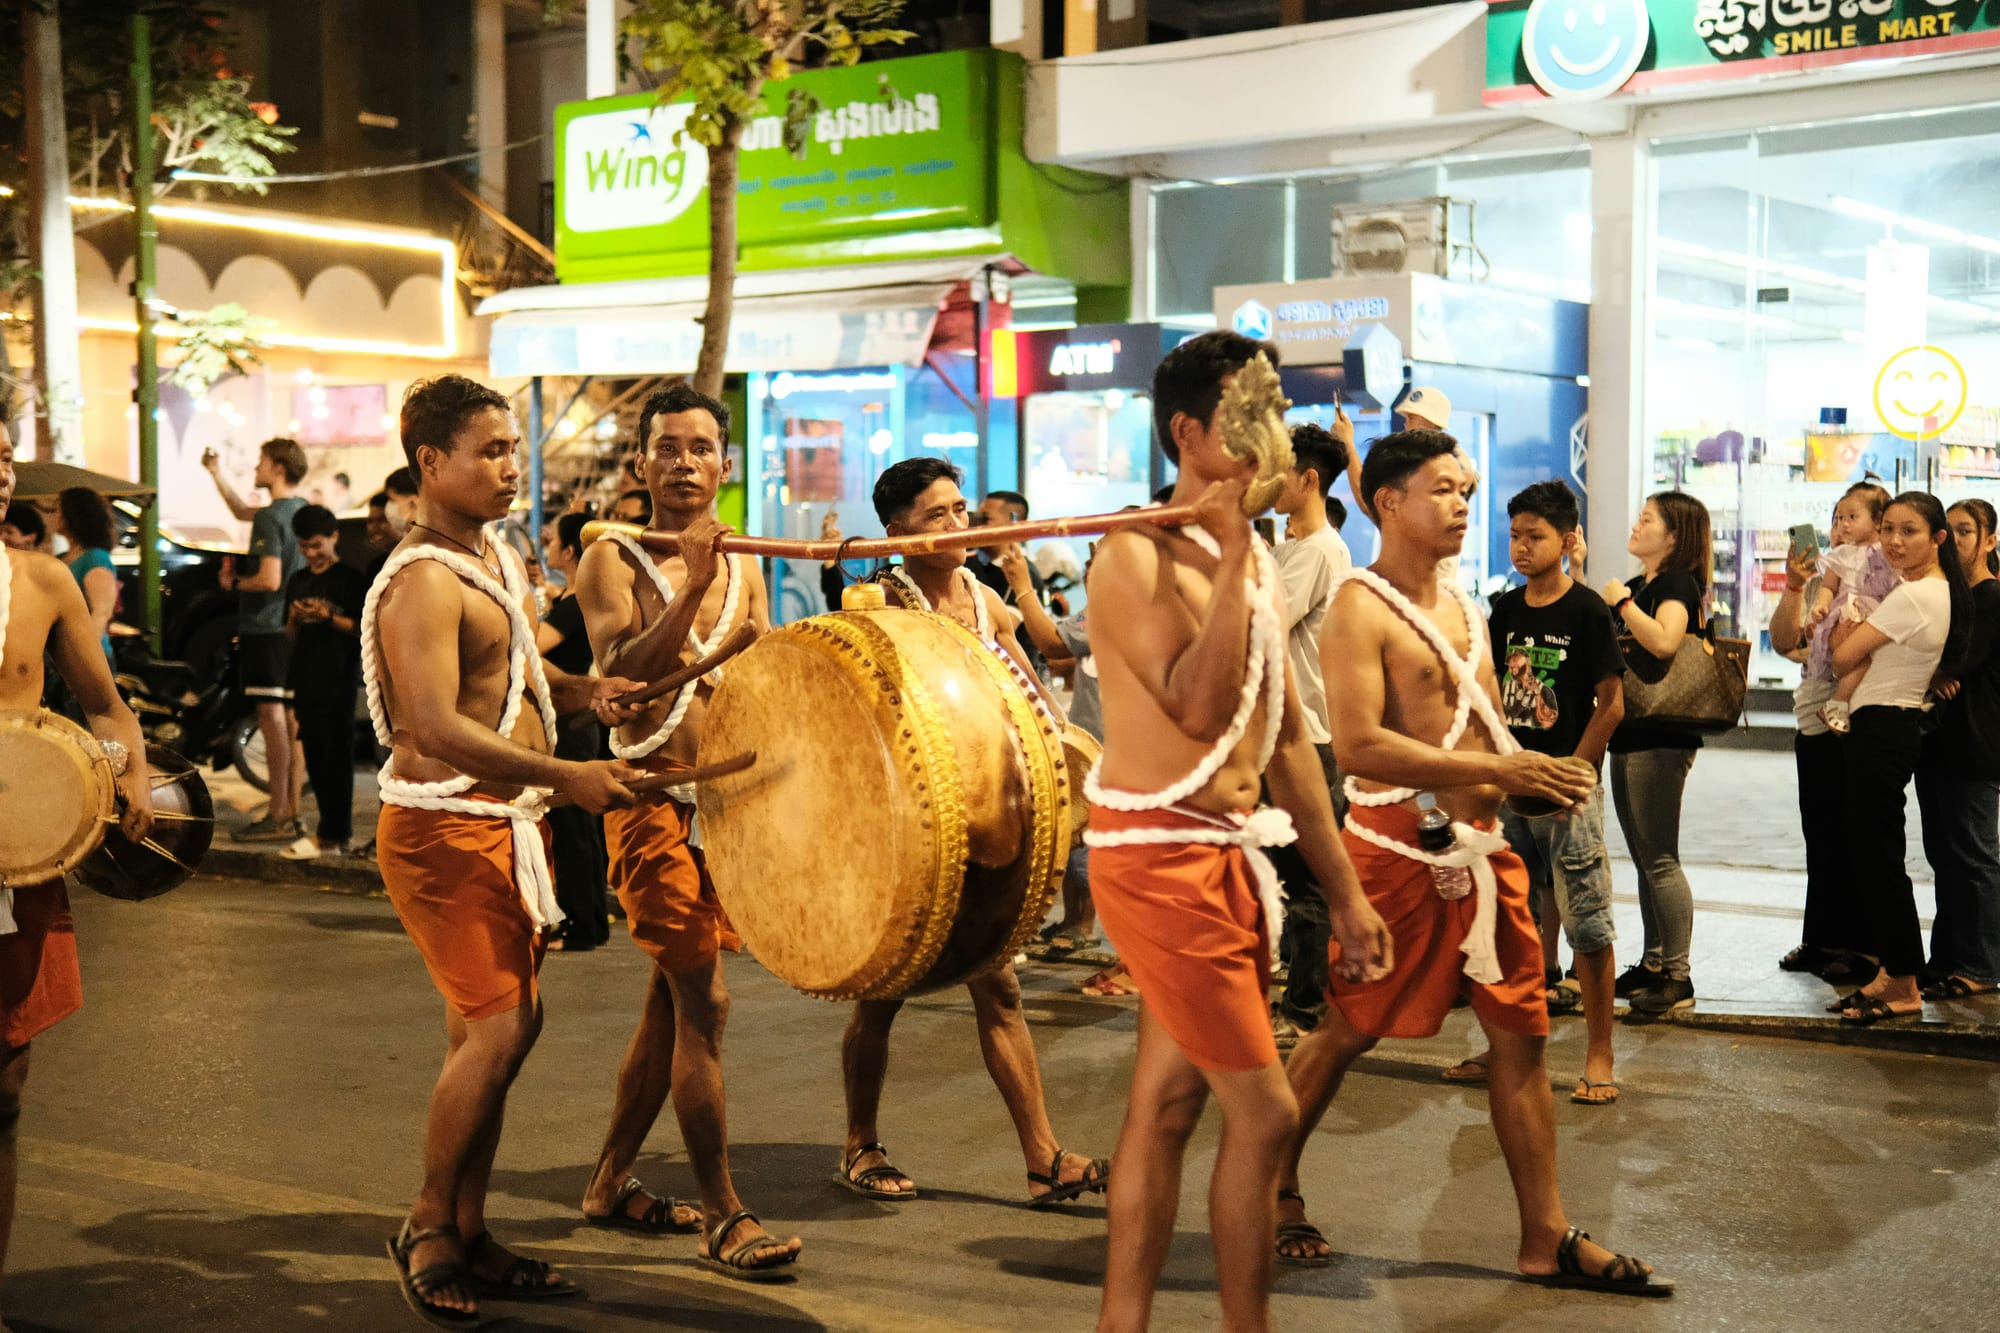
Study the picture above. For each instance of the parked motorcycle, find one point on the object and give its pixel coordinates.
(210, 722)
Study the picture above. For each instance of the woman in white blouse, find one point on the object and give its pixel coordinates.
(1915, 636)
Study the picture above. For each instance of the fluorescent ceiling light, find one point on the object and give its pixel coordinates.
(1854, 208)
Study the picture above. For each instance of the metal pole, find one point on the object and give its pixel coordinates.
(147, 392)
(536, 433)
(982, 358)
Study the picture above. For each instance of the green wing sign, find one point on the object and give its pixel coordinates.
(900, 148)
(1582, 50)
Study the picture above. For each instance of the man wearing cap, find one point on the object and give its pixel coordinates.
(1426, 409)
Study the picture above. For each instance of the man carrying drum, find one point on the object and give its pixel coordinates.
(1200, 709)
(921, 495)
(42, 610)
(647, 615)
(457, 690)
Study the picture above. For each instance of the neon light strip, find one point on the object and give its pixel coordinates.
(369, 346)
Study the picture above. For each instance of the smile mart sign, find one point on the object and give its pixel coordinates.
(1584, 50)
(899, 146)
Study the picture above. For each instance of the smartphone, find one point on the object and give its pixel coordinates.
(1267, 528)
(1805, 537)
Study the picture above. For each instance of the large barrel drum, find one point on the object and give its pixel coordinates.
(907, 820)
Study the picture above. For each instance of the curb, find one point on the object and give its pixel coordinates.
(1962, 1041)
(335, 875)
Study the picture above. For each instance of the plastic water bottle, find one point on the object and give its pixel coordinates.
(1434, 835)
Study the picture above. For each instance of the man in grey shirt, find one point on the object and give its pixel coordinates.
(264, 653)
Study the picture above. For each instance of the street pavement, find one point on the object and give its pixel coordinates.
(228, 1132)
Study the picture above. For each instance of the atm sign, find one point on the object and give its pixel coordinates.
(1084, 358)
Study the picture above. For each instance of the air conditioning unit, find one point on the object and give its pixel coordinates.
(1370, 240)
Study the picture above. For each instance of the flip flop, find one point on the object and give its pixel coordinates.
(1872, 1009)
(1623, 1276)
(1106, 985)
(1452, 1075)
(657, 1220)
(864, 1184)
(1590, 1086)
(417, 1287)
(1096, 1175)
(523, 1279)
(739, 1261)
(1956, 988)
(1300, 1232)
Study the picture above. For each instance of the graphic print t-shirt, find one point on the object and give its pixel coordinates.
(1549, 660)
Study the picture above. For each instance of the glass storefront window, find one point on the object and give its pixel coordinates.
(1826, 305)
(1087, 453)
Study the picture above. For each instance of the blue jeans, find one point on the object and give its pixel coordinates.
(1962, 843)
(1565, 857)
(1646, 788)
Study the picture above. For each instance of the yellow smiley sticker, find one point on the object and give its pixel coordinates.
(1919, 392)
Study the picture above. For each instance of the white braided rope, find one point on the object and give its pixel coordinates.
(983, 619)
(1464, 672)
(8, 926)
(732, 584)
(1263, 679)
(524, 669)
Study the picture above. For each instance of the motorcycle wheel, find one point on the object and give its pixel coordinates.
(251, 762)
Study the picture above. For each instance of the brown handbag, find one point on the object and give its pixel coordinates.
(1699, 691)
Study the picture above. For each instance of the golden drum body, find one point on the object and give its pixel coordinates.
(907, 820)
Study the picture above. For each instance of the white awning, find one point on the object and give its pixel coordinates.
(789, 319)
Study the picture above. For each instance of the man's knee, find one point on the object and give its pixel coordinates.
(996, 993)
(13, 1077)
(1173, 1115)
(701, 1002)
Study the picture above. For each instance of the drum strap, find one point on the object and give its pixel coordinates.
(732, 584)
(1474, 845)
(524, 668)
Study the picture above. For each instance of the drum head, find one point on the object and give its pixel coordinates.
(183, 824)
(1082, 750)
(57, 794)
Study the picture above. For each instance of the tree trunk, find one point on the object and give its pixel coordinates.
(58, 363)
(723, 167)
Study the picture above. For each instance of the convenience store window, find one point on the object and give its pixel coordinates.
(1825, 305)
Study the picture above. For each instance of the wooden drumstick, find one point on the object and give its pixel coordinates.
(656, 784)
(739, 638)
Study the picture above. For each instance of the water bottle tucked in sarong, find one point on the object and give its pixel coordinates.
(1435, 835)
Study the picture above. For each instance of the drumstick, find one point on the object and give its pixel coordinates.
(740, 638)
(922, 543)
(656, 784)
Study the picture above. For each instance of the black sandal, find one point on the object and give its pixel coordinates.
(1624, 1275)
(1956, 988)
(1096, 1175)
(739, 1262)
(1872, 1009)
(1807, 958)
(657, 1220)
(1296, 1233)
(523, 1279)
(420, 1286)
(1851, 1000)
(865, 1184)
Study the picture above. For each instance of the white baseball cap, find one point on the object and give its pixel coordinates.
(1429, 404)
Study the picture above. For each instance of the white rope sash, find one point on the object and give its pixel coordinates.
(8, 925)
(1473, 846)
(524, 668)
(907, 587)
(732, 586)
(1263, 680)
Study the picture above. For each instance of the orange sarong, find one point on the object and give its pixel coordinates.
(1190, 930)
(40, 985)
(451, 878)
(663, 884)
(1412, 1001)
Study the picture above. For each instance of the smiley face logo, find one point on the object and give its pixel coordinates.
(1578, 50)
(1919, 392)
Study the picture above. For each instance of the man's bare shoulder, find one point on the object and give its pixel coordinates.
(1354, 610)
(421, 587)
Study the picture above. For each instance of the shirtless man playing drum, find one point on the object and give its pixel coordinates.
(1415, 710)
(457, 690)
(1188, 627)
(913, 496)
(42, 609)
(647, 615)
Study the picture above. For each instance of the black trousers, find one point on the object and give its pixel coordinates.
(1822, 765)
(325, 714)
(1302, 943)
(1883, 747)
(579, 863)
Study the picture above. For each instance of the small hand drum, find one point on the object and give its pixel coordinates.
(1540, 807)
(183, 825)
(57, 796)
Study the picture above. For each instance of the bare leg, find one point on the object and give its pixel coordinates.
(644, 1079)
(1009, 1049)
(1318, 1065)
(1595, 975)
(274, 723)
(864, 1068)
(1166, 1102)
(297, 765)
(13, 1075)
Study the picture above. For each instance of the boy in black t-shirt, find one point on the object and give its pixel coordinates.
(322, 619)
(1561, 674)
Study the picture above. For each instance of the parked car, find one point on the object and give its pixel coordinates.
(198, 617)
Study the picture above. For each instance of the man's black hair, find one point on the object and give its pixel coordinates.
(1189, 379)
(27, 520)
(1313, 447)
(898, 487)
(434, 409)
(379, 500)
(1164, 494)
(680, 398)
(645, 499)
(315, 521)
(569, 532)
(1551, 500)
(1012, 499)
(1336, 513)
(403, 481)
(1394, 457)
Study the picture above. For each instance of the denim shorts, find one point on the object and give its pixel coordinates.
(1565, 852)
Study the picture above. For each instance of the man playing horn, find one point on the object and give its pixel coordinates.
(457, 690)
(920, 495)
(647, 615)
(1415, 712)
(1200, 709)
(42, 609)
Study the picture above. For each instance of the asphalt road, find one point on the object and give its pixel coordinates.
(227, 1133)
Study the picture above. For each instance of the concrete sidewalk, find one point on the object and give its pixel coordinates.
(1739, 841)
